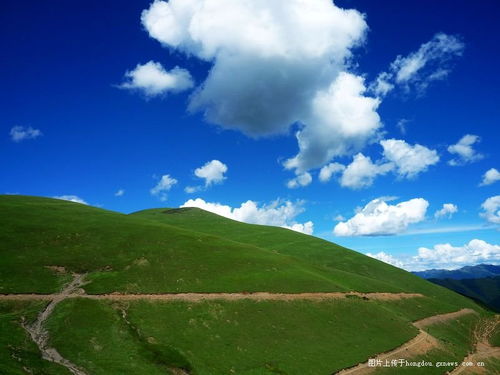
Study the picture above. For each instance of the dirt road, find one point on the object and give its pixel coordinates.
(420, 344)
(198, 297)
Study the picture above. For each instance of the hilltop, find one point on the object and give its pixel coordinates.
(184, 291)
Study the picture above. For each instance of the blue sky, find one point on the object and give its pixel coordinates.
(74, 123)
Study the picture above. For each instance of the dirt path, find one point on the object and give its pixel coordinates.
(442, 318)
(197, 297)
(420, 344)
(40, 335)
(483, 349)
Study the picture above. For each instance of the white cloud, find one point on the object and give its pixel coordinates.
(491, 176)
(491, 209)
(71, 198)
(21, 133)
(362, 172)
(341, 122)
(303, 179)
(282, 52)
(431, 62)
(277, 213)
(120, 193)
(212, 172)
(153, 80)
(447, 210)
(387, 258)
(380, 218)
(339, 218)
(291, 59)
(450, 257)
(329, 170)
(405, 160)
(409, 160)
(163, 186)
(464, 151)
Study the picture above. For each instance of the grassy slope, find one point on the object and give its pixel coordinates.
(145, 252)
(217, 337)
(131, 254)
(313, 250)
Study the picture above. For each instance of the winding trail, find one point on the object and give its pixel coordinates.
(420, 344)
(40, 335)
(197, 297)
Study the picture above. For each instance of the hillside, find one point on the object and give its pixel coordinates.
(183, 291)
(485, 290)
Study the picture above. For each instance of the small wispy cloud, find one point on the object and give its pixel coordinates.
(21, 133)
(163, 186)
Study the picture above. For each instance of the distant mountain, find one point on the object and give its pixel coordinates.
(467, 272)
(486, 290)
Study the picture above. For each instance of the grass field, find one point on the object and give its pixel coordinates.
(219, 337)
(189, 250)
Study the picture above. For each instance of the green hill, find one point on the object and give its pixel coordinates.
(43, 242)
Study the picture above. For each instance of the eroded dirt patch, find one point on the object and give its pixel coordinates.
(40, 335)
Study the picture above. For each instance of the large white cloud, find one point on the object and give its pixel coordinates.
(281, 51)
(152, 79)
(409, 160)
(491, 209)
(464, 150)
(71, 198)
(451, 257)
(362, 171)
(277, 213)
(379, 218)
(21, 133)
(447, 210)
(431, 62)
(291, 58)
(491, 176)
(163, 186)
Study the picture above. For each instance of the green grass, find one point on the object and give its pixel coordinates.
(378, 276)
(129, 254)
(17, 351)
(97, 338)
(161, 251)
(417, 308)
(216, 337)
